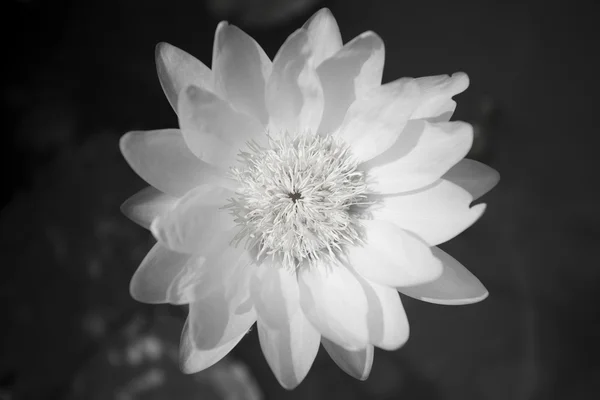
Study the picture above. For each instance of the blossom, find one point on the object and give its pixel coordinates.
(302, 195)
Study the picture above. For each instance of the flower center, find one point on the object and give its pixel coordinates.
(298, 198)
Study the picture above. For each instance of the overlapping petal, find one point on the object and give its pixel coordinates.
(455, 286)
(222, 309)
(348, 75)
(423, 153)
(241, 68)
(473, 176)
(192, 359)
(437, 103)
(177, 70)
(349, 310)
(151, 281)
(162, 159)
(391, 256)
(436, 213)
(288, 340)
(374, 121)
(324, 35)
(294, 95)
(194, 220)
(146, 205)
(356, 363)
(212, 129)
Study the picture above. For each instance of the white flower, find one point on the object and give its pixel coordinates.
(302, 194)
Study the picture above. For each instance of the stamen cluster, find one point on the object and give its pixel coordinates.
(298, 198)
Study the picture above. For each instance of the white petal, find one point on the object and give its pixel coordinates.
(421, 155)
(388, 324)
(146, 205)
(374, 122)
(158, 269)
(222, 309)
(194, 219)
(356, 363)
(178, 69)
(192, 359)
(324, 35)
(349, 310)
(294, 95)
(241, 68)
(289, 342)
(437, 94)
(348, 75)
(163, 160)
(473, 176)
(217, 262)
(455, 286)
(436, 213)
(212, 129)
(393, 257)
(334, 301)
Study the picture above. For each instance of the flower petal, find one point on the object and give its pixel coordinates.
(222, 309)
(178, 69)
(436, 213)
(349, 310)
(456, 285)
(348, 75)
(393, 257)
(324, 35)
(192, 359)
(437, 94)
(294, 95)
(207, 270)
(158, 269)
(422, 154)
(473, 176)
(146, 205)
(356, 363)
(289, 342)
(240, 67)
(194, 219)
(374, 121)
(163, 160)
(212, 129)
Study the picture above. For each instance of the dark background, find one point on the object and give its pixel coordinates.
(79, 74)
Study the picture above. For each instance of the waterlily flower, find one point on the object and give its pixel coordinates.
(302, 194)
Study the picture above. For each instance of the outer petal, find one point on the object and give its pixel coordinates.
(455, 286)
(393, 257)
(473, 176)
(177, 70)
(156, 272)
(294, 95)
(163, 160)
(212, 129)
(324, 35)
(436, 213)
(192, 359)
(356, 363)
(146, 205)
(290, 343)
(437, 94)
(351, 311)
(194, 220)
(374, 122)
(240, 68)
(422, 154)
(222, 309)
(348, 75)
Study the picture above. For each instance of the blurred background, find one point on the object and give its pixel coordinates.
(79, 74)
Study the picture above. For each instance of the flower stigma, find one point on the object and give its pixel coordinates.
(298, 198)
